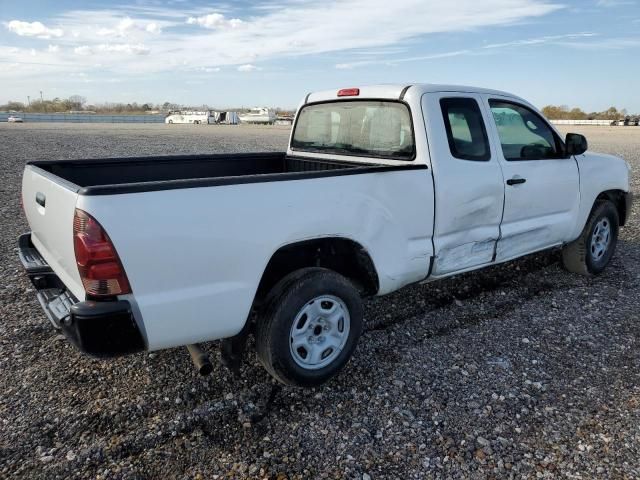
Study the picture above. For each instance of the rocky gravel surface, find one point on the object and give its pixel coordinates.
(517, 371)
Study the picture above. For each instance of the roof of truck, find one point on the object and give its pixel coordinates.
(396, 91)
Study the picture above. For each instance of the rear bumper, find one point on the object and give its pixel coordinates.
(100, 329)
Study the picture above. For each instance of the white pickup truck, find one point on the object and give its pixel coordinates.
(380, 187)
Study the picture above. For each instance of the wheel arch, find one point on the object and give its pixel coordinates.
(342, 255)
(618, 198)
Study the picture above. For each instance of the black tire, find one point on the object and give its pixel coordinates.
(283, 304)
(170, 121)
(579, 256)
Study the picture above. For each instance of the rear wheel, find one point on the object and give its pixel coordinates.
(591, 252)
(311, 325)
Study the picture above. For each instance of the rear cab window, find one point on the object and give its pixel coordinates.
(465, 128)
(366, 128)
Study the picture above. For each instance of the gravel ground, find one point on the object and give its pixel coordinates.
(517, 371)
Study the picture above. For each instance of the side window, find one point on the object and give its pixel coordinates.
(524, 135)
(466, 132)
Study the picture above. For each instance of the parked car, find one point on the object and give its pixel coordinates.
(380, 187)
(14, 119)
(635, 122)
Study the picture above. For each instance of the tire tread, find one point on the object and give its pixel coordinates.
(280, 295)
(574, 254)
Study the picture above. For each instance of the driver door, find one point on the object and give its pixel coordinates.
(542, 191)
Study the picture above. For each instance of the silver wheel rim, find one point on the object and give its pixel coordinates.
(319, 332)
(600, 239)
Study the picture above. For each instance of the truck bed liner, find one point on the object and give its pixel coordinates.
(128, 175)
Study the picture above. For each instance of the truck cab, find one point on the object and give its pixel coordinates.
(505, 183)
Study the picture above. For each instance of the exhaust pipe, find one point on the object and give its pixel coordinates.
(200, 359)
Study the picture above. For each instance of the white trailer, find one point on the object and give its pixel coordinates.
(193, 117)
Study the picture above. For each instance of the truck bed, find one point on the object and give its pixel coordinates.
(128, 175)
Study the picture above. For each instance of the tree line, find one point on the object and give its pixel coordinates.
(563, 112)
(77, 103)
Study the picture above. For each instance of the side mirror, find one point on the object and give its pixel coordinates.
(576, 144)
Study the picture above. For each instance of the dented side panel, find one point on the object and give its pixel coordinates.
(469, 196)
(474, 253)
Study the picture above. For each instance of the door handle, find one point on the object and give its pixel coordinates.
(516, 181)
(41, 199)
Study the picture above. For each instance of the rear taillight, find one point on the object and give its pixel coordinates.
(98, 263)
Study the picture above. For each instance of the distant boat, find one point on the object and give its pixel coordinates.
(258, 115)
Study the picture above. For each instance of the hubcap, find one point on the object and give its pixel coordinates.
(600, 239)
(319, 332)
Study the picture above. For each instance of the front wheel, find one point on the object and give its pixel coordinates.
(310, 328)
(591, 252)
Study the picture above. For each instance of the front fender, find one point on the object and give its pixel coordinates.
(599, 173)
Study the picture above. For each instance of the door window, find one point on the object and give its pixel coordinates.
(524, 134)
(465, 128)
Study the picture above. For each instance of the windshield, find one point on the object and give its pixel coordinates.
(356, 127)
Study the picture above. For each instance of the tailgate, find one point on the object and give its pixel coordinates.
(49, 204)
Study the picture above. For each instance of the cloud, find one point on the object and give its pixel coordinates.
(541, 40)
(209, 69)
(127, 35)
(53, 48)
(128, 27)
(247, 68)
(361, 63)
(614, 3)
(393, 61)
(306, 27)
(82, 50)
(81, 76)
(153, 27)
(120, 30)
(33, 29)
(619, 43)
(214, 20)
(125, 48)
(379, 51)
(137, 49)
(557, 39)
